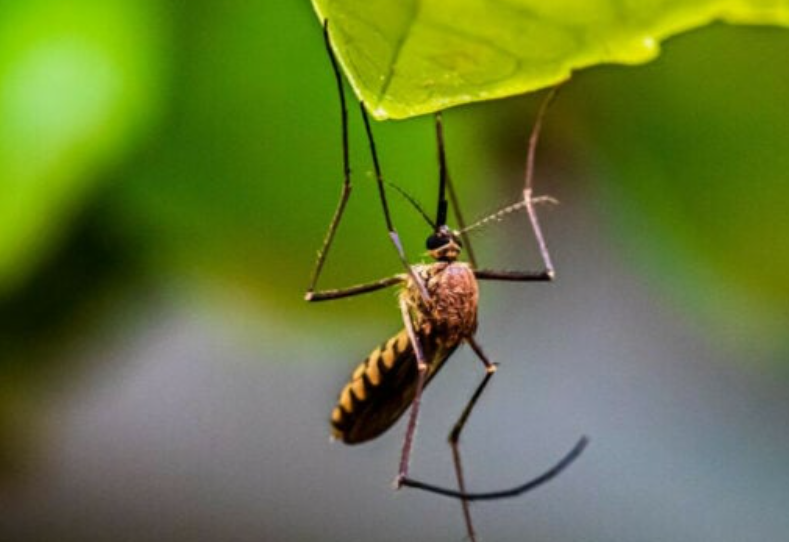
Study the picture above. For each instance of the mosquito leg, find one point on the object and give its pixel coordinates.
(311, 294)
(346, 186)
(326, 295)
(464, 236)
(421, 365)
(454, 435)
(514, 276)
(516, 491)
(547, 273)
(389, 226)
(528, 199)
(453, 199)
(548, 270)
(528, 202)
(535, 135)
(454, 438)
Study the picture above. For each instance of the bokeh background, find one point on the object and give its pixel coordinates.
(167, 171)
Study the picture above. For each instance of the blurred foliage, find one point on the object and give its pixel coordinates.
(414, 57)
(78, 84)
(199, 145)
(693, 151)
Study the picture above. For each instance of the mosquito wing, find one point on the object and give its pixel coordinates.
(382, 387)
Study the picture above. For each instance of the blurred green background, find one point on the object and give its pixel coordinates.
(167, 172)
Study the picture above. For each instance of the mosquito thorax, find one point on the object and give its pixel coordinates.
(444, 245)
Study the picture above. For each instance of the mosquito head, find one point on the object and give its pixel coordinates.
(444, 245)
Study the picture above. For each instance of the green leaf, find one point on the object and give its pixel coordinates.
(410, 57)
(78, 83)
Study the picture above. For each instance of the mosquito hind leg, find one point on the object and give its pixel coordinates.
(457, 429)
(516, 491)
(454, 438)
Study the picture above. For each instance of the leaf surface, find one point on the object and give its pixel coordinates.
(411, 57)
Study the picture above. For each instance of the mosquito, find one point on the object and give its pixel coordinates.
(438, 306)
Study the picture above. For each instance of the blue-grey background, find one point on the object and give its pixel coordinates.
(166, 176)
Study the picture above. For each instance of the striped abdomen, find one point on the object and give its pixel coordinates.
(382, 387)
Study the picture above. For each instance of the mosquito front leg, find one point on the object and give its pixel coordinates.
(346, 185)
(393, 235)
(311, 294)
(446, 180)
(327, 295)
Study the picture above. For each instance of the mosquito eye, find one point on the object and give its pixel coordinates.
(435, 241)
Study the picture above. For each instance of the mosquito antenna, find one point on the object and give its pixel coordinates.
(412, 200)
(441, 213)
(502, 214)
(495, 217)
